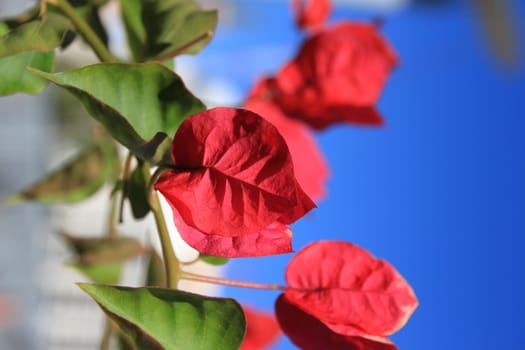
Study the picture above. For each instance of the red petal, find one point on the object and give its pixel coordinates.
(272, 240)
(308, 333)
(312, 14)
(348, 290)
(310, 167)
(235, 175)
(261, 330)
(337, 73)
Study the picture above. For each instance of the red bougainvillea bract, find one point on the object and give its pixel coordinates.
(337, 76)
(233, 189)
(348, 291)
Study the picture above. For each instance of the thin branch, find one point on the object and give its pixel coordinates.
(171, 263)
(227, 282)
(84, 29)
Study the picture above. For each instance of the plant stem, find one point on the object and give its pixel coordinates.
(171, 263)
(227, 282)
(85, 30)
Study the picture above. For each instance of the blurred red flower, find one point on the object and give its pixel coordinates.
(310, 14)
(337, 76)
(262, 330)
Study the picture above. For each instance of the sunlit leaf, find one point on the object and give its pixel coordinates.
(104, 249)
(157, 318)
(348, 290)
(135, 102)
(77, 179)
(233, 179)
(159, 29)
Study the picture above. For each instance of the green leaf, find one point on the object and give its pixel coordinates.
(42, 35)
(76, 180)
(137, 192)
(135, 102)
(160, 29)
(28, 44)
(103, 250)
(107, 273)
(157, 318)
(213, 260)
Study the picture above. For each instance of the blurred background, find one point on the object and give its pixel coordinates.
(438, 191)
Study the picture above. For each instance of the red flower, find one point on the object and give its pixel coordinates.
(261, 330)
(348, 291)
(233, 188)
(337, 76)
(310, 14)
(310, 167)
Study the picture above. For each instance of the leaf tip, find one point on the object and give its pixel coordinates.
(86, 287)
